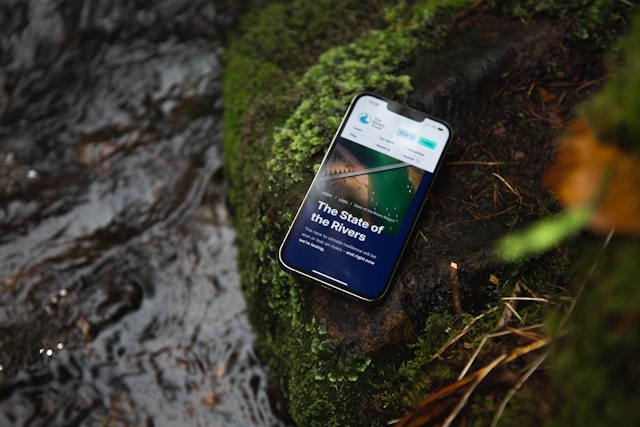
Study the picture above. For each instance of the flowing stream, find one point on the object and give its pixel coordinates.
(119, 293)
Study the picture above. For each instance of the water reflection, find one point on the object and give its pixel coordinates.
(119, 295)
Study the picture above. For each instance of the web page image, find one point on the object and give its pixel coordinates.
(356, 217)
(418, 143)
(361, 206)
(365, 188)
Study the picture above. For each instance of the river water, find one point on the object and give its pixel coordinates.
(119, 294)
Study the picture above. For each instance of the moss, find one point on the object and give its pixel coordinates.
(439, 328)
(421, 374)
(615, 110)
(596, 366)
(594, 20)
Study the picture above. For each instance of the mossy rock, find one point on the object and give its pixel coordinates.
(482, 67)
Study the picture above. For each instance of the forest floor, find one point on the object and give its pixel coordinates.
(498, 353)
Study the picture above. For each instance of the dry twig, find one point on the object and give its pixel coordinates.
(455, 288)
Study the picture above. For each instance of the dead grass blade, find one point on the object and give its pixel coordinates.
(422, 415)
(462, 333)
(532, 368)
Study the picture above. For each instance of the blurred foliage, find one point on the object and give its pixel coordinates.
(597, 175)
(545, 234)
(615, 110)
(596, 366)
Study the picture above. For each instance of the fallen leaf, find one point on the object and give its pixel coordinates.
(211, 399)
(589, 171)
(545, 95)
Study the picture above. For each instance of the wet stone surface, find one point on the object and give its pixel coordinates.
(507, 89)
(119, 295)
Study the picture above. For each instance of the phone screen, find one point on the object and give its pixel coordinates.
(358, 214)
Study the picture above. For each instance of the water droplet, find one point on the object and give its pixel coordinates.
(9, 159)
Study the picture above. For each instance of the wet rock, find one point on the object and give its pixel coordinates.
(457, 80)
(454, 83)
(506, 87)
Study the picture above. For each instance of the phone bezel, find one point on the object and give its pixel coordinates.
(397, 108)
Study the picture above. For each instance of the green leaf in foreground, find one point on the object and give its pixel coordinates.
(544, 234)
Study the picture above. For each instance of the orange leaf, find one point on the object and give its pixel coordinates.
(545, 95)
(586, 170)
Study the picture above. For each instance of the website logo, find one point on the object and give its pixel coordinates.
(364, 118)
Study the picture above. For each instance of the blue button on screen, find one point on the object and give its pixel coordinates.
(405, 134)
(427, 143)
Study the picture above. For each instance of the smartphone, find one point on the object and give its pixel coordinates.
(358, 214)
